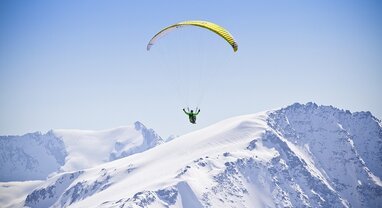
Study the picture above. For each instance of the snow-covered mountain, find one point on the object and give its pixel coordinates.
(298, 156)
(34, 156)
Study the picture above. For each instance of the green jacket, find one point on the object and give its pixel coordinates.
(191, 116)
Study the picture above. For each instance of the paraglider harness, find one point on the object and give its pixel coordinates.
(191, 115)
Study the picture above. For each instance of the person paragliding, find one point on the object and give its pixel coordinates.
(218, 30)
(192, 115)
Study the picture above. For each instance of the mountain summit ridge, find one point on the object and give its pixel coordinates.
(302, 155)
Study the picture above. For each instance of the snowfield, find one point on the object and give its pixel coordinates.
(298, 156)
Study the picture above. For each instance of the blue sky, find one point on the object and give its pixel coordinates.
(84, 64)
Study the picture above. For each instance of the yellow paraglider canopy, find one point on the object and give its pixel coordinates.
(204, 24)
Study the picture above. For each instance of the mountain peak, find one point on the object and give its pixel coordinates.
(303, 155)
(311, 106)
(138, 126)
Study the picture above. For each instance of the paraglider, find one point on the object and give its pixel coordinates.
(192, 115)
(220, 31)
(203, 24)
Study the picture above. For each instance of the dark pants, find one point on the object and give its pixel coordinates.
(192, 119)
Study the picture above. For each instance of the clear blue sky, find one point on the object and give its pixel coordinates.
(83, 64)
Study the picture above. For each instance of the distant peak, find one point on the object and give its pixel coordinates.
(310, 110)
(309, 105)
(171, 137)
(36, 133)
(314, 106)
(138, 126)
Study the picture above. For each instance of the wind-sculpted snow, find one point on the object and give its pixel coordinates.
(298, 156)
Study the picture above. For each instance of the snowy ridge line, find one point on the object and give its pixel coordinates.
(303, 155)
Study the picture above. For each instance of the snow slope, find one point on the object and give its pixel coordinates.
(298, 156)
(34, 156)
(13, 194)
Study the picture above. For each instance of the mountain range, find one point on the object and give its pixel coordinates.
(302, 155)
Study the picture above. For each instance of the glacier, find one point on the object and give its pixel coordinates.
(302, 155)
